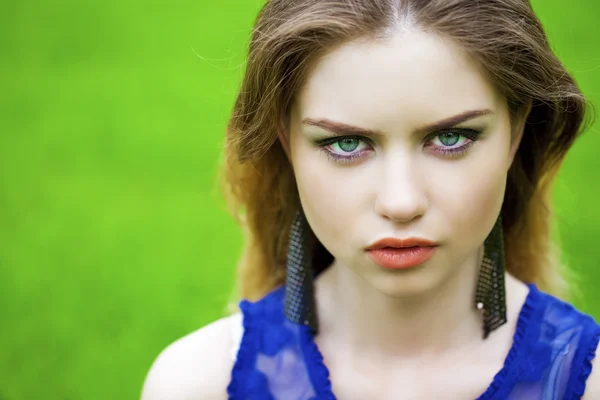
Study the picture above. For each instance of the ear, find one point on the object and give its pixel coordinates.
(283, 138)
(517, 133)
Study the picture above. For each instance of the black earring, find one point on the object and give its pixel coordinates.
(299, 291)
(490, 296)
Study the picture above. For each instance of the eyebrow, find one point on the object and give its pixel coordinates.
(345, 129)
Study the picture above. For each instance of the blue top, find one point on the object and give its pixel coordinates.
(550, 358)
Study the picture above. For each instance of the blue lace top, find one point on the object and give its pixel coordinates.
(550, 358)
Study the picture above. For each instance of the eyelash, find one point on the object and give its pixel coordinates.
(471, 134)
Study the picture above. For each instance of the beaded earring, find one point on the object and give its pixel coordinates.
(490, 295)
(299, 291)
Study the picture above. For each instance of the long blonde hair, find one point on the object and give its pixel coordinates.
(504, 36)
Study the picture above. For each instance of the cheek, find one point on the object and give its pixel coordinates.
(330, 198)
(470, 195)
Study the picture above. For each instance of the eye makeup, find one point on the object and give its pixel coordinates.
(448, 143)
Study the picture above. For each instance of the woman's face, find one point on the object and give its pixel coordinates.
(423, 149)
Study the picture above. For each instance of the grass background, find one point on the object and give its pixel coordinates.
(113, 241)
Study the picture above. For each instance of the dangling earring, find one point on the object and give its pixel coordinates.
(299, 291)
(490, 296)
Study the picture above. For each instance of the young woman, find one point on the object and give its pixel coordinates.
(391, 164)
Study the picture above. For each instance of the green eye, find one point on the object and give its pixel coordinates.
(449, 138)
(349, 144)
(344, 149)
(452, 142)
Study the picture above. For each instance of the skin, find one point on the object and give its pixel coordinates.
(402, 334)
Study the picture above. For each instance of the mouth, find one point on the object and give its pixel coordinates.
(393, 253)
(396, 243)
(395, 258)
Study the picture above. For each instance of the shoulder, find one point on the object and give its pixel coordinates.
(195, 367)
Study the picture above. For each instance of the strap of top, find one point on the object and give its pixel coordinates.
(554, 352)
(582, 359)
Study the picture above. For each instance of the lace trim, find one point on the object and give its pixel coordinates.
(246, 382)
(245, 353)
(585, 360)
(523, 323)
(318, 372)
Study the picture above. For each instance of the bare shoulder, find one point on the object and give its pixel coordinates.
(195, 367)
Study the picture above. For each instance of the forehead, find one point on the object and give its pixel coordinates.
(406, 79)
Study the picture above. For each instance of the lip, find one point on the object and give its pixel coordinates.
(401, 243)
(393, 253)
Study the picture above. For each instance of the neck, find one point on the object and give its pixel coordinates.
(357, 316)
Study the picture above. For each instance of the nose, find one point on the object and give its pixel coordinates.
(401, 195)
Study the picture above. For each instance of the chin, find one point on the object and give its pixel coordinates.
(404, 284)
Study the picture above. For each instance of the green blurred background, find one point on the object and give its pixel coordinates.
(113, 239)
